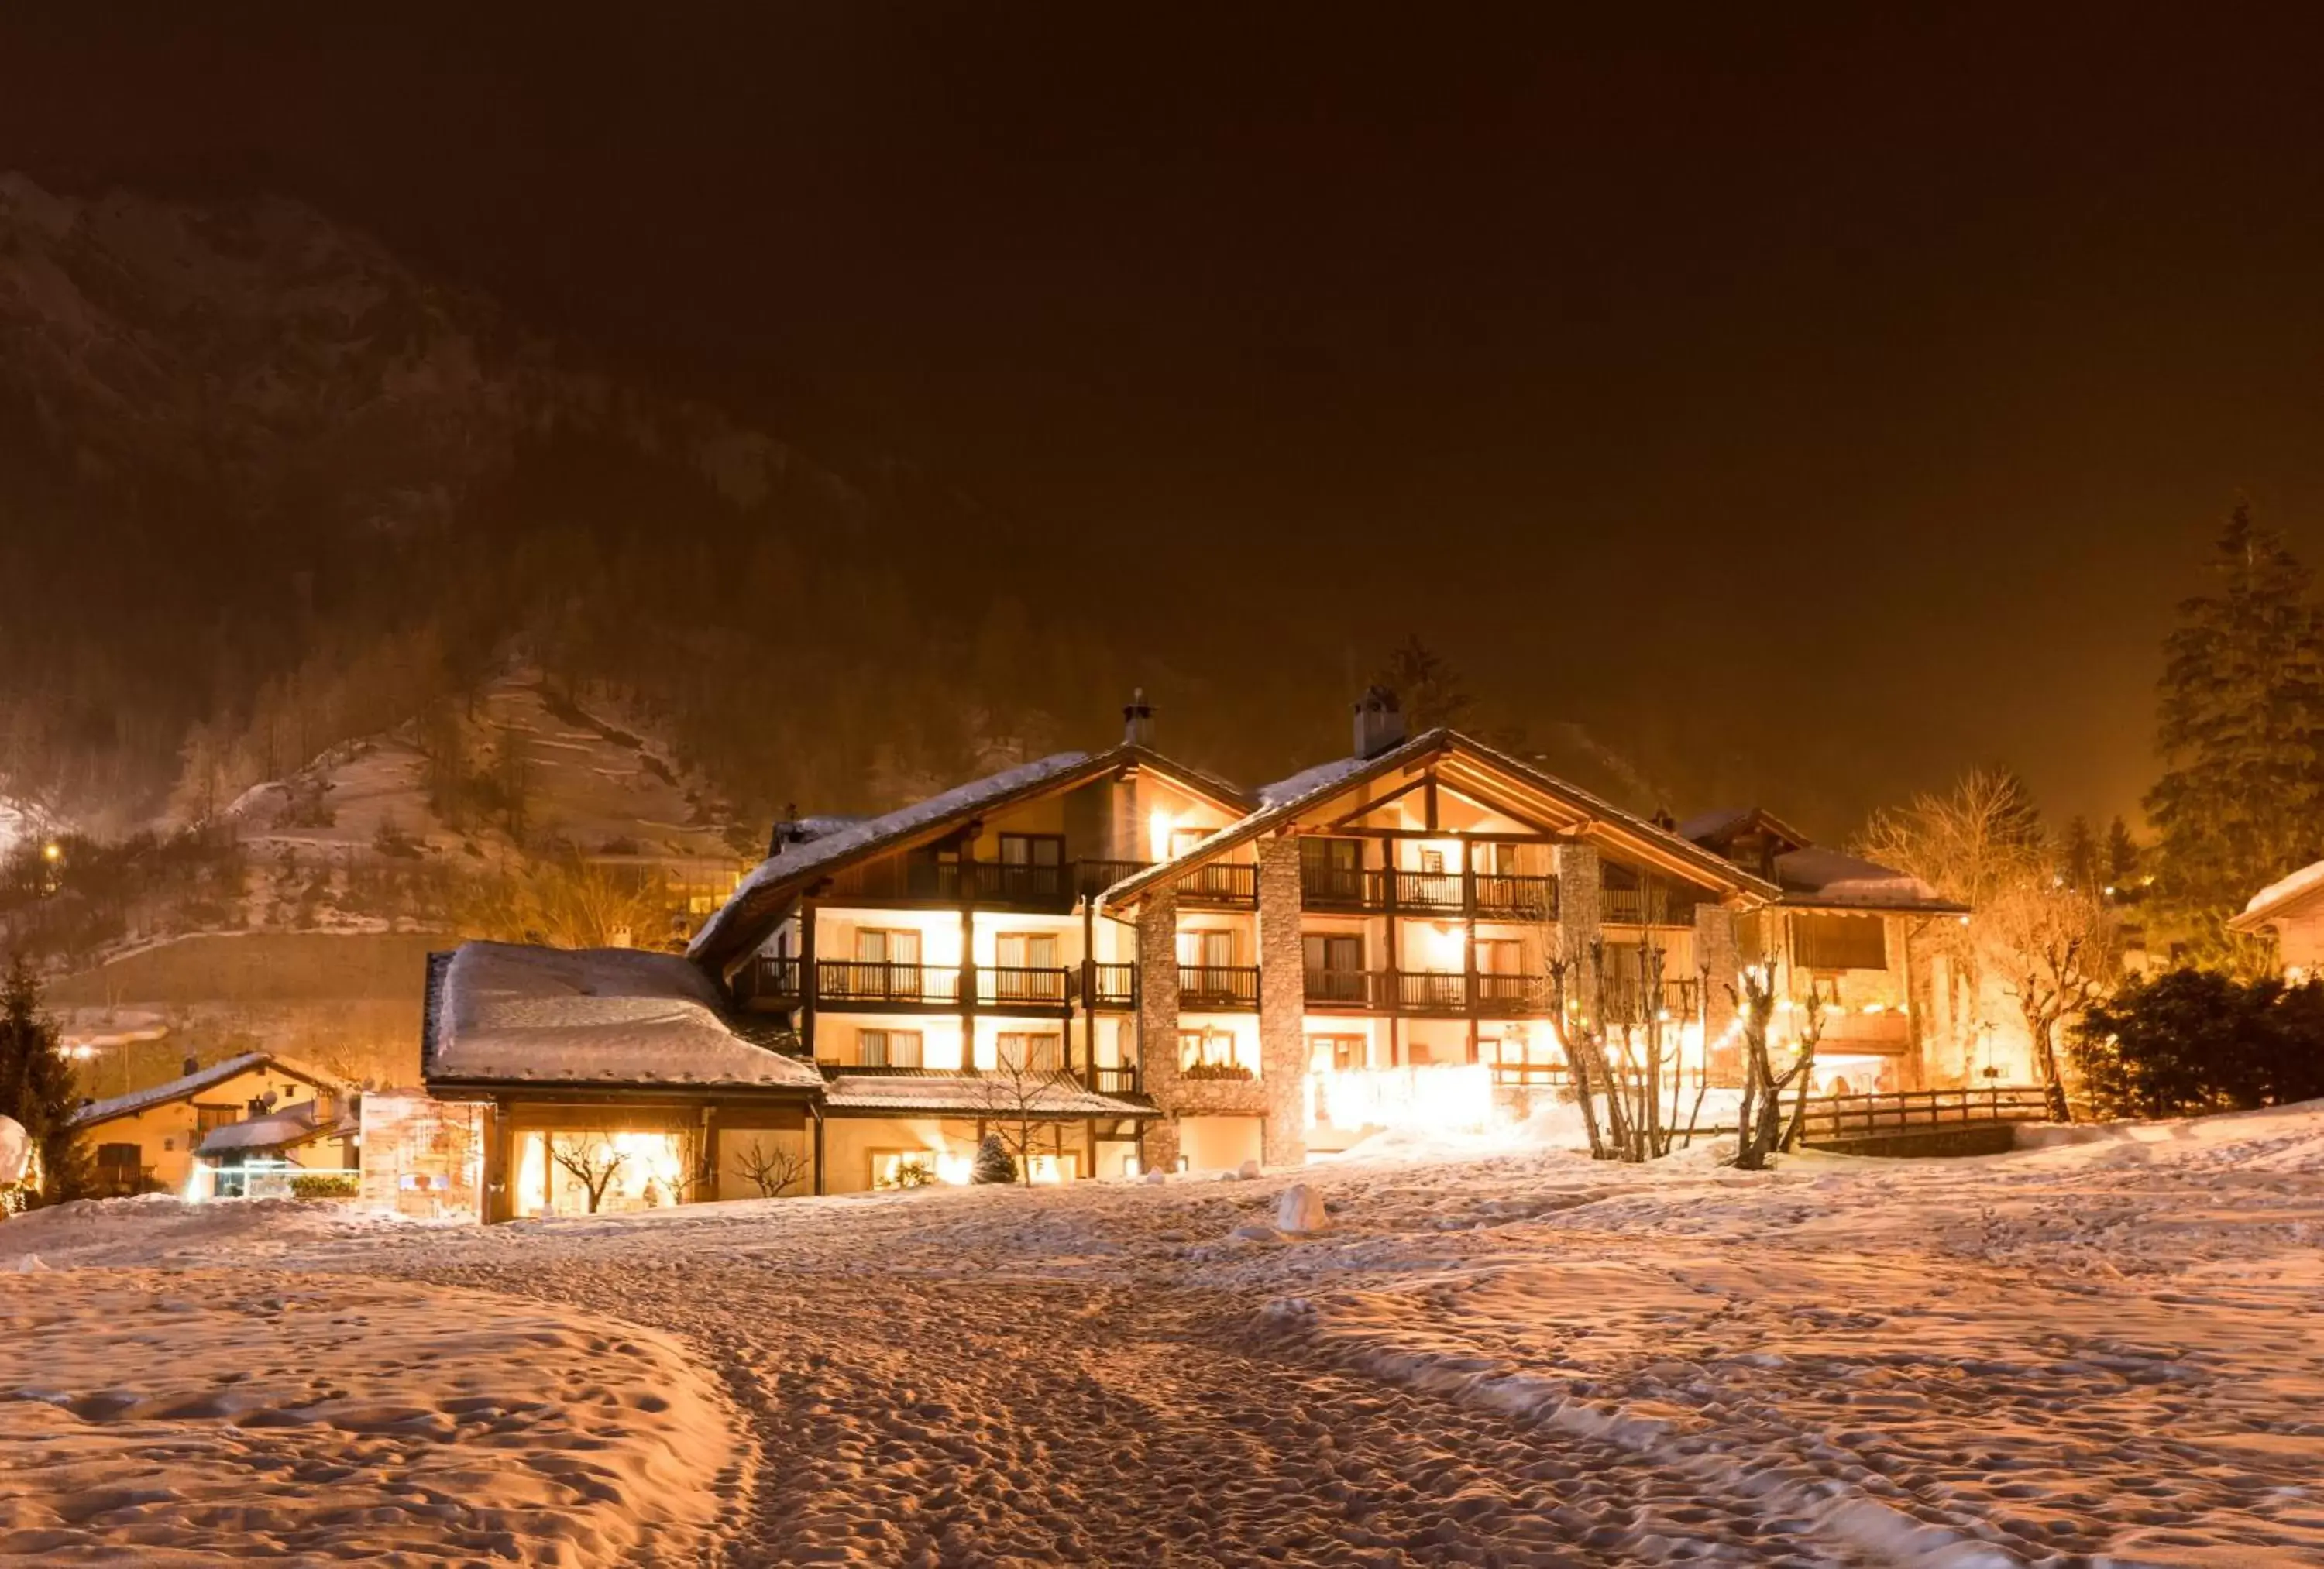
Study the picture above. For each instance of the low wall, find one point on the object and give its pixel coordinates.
(1977, 1139)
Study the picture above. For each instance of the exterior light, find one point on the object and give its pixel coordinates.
(52, 851)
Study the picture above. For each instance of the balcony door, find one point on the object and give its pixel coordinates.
(1335, 967)
(1025, 967)
(1331, 870)
(887, 964)
(1032, 865)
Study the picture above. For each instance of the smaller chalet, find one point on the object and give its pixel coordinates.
(146, 1142)
(1847, 926)
(2292, 911)
(257, 1157)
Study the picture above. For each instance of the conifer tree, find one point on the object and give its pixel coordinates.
(2241, 800)
(36, 1085)
(1432, 689)
(2077, 856)
(2122, 858)
(993, 1163)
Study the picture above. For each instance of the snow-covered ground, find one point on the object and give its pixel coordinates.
(2101, 1350)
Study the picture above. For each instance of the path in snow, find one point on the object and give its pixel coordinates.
(2098, 1351)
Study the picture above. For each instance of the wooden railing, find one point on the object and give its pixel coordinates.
(1621, 1002)
(1346, 987)
(1095, 878)
(1041, 987)
(1655, 904)
(848, 980)
(1430, 991)
(1114, 986)
(1518, 995)
(1218, 986)
(771, 979)
(1220, 883)
(1500, 896)
(1114, 1080)
(1861, 1117)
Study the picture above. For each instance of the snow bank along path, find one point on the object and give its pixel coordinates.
(179, 1416)
(2103, 1352)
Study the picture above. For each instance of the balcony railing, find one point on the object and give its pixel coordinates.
(1114, 986)
(1343, 987)
(1119, 1079)
(1430, 991)
(1045, 987)
(1506, 896)
(1653, 905)
(847, 980)
(1680, 1002)
(1095, 878)
(1220, 883)
(1513, 995)
(771, 979)
(1500, 896)
(1218, 986)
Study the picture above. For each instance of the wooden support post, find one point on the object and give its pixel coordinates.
(816, 1113)
(807, 976)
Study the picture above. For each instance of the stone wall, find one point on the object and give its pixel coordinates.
(1715, 956)
(1282, 1003)
(1157, 1021)
(1578, 924)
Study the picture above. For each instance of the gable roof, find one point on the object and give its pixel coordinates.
(2283, 897)
(1718, 830)
(298, 1123)
(758, 902)
(502, 1012)
(1815, 877)
(1282, 800)
(194, 1083)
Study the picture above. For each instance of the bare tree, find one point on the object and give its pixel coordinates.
(2056, 948)
(594, 1165)
(1760, 1125)
(1019, 1090)
(774, 1169)
(1621, 1051)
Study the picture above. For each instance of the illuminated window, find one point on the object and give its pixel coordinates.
(1337, 1053)
(1209, 1051)
(887, 1048)
(207, 1117)
(1032, 1053)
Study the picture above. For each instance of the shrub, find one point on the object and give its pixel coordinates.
(2190, 1041)
(326, 1185)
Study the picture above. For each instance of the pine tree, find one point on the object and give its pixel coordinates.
(1432, 690)
(2122, 858)
(2077, 856)
(994, 1163)
(36, 1085)
(2241, 800)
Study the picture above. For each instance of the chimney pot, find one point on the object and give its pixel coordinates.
(191, 1066)
(1138, 720)
(1379, 722)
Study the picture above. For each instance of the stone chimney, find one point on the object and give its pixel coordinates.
(1379, 722)
(1138, 720)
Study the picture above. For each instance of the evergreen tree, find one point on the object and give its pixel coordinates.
(1433, 690)
(2122, 859)
(994, 1163)
(2077, 856)
(36, 1085)
(2241, 800)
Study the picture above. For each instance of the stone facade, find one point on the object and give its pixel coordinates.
(1715, 956)
(1282, 1003)
(1157, 1023)
(1578, 924)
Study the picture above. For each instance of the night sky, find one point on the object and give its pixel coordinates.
(1863, 391)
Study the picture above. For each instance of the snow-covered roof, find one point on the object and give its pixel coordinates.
(1285, 798)
(276, 1130)
(2278, 898)
(1715, 828)
(744, 919)
(193, 1084)
(1821, 877)
(502, 1013)
(970, 1095)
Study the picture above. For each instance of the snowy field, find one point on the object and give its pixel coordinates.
(2108, 1350)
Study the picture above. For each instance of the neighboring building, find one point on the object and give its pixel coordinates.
(1852, 932)
(1122, 963)
(257, 1157)
(2292, 912)
(146, 1142)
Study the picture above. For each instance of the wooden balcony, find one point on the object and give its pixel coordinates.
(1680, 1003)
(1113, 986)
(1428, 992)
(855, 983)
(1004, 988)
(1218, 987)
(1233, 885)
(1487, 896)
(1651, 905)
(1121, 1079)
(1007, 885)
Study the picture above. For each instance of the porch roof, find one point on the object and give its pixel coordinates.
(922, 1093)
